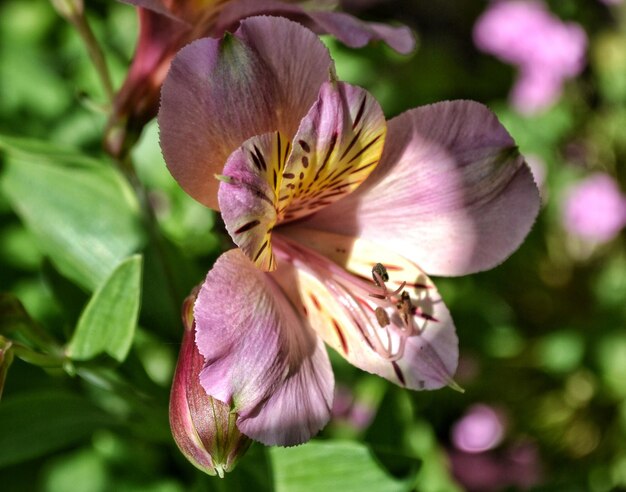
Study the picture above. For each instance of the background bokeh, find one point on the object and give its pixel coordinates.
(542, 337)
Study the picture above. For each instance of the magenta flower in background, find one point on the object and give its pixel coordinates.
(166, 26)
(351, 410)
(595, 209)
(480, 429)
(546, 50)
(335, 235)
(517, 466)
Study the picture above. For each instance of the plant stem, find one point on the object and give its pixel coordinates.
(36, 358)
(95, 53)
(152, 224)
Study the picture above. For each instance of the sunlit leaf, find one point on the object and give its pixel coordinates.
(41, 150)
(85, 467)
(107, 325)
(36, 424)
(344, 466)
(84, 215)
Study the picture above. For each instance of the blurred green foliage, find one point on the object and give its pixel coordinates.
(542, 337)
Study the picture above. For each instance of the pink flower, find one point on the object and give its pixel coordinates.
(166, 26)
(356, 412)
(517, 466)
(595, 209)
(546, 50)
(480, 429)
(334, 235)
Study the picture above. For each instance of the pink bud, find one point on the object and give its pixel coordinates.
(204, 428)
(137, 102)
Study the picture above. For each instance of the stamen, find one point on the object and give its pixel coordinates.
(405, 307)
(382, 317)
(380, 275)
(385, 318)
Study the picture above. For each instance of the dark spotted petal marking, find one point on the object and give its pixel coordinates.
(267, 180)
(339, 143)
(248, 195)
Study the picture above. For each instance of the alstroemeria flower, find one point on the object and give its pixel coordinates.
(335, 235)
(165, 26)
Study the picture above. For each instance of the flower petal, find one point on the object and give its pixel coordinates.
(190, 12)
(356, 33)
(344, 27)
(451, 192)
(248, 195)
(219, 93)
(341, 306)
(260, 355)
(337, 146)
(158, 6)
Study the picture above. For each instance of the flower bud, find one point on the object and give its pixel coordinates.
(204, 428)
(137, 102)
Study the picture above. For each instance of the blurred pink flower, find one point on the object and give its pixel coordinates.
(480, 429)
(595, 208)
(516, 466)
(356, 412)
(546, 50)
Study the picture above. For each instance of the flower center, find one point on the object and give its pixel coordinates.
(275, 178)
(385, 318)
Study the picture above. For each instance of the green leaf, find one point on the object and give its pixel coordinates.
(323, 466)
(83, 214)
(40, 151)
(35, 424)
(107, 325)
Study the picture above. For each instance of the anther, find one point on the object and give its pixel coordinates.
(382, 317)
(379, 274)
(405, 306)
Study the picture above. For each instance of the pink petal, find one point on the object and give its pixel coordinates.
(451, 192)
(338, 145)
(336, 291)
(158, 6)
(248, 195)
(356, 33)
(219, 93)
(260, 355)
(189, 12)
(344, 27)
